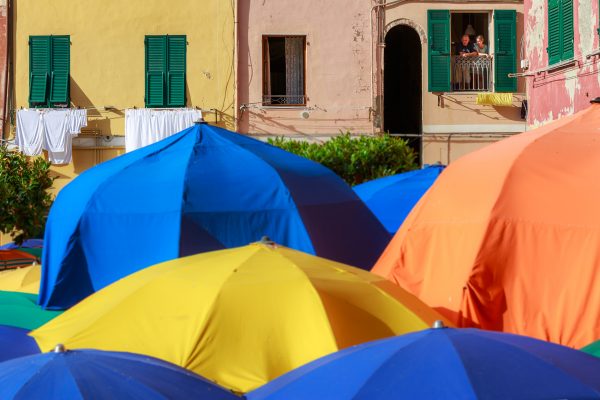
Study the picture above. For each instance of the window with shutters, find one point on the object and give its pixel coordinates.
(49, 67)
(284, 60)
(165, 71)
(560, 31)
(462, 56)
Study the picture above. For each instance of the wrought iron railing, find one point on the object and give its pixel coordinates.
(284, 100)
(471, 74)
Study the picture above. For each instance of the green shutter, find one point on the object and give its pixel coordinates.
(176, 67)
(567, 36)
(59, 84)
(39, 69)
(555, 32)
(156, 70)
(505, 28)
(438, 24)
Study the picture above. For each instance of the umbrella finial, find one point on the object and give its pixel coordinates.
(595, 100)
(60, 348)
(439, 324)
(265, 240)
(200, 121)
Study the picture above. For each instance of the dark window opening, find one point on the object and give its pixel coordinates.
(284, 70)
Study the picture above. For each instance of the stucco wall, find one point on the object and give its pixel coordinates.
(338, 65)
(563, 91)
(107, 59)
(3, 50)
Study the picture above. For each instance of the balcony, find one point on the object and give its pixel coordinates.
(471, 74)
(284, 100)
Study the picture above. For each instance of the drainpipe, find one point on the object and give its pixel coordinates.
(7, 61)
(235, 65)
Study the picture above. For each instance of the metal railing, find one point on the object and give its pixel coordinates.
(471, 74)
(284, 100)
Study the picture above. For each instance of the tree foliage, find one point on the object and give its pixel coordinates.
(24, 197)
(356, 159)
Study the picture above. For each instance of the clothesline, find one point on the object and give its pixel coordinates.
(125, 109)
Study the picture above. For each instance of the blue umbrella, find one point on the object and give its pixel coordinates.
(202, 189)
(28, 243)
(94, 374)
(14, 342)
(393, 197)
(444, 364)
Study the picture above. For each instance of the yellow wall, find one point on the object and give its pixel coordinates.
(107, 58)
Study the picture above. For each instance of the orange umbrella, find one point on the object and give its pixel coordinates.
(508, 237)
(15, 258)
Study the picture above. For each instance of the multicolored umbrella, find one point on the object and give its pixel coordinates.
(21, 310)
(444, 364)
(14, 343)
(25, 279)
(92, 374)
(10, 259)
(391, 198)
(202, 189)
(593, 349)
(508, 237)
(239, 317)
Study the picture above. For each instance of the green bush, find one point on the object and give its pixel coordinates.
(356, 159)
(24, 197)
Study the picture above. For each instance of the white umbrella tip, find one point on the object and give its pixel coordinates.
(439, 324)
(595, 100)
(266, 240)
(60, 348)
(200, 121)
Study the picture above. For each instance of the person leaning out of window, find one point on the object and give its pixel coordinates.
(480, 47)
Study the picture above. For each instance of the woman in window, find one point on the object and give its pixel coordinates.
(480, 47)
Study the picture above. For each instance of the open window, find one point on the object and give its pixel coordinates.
(284, 70)
(458, 63)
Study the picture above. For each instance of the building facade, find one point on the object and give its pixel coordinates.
(447, 104)
(108, 56)
(562, 52)
(304, 68)
(366, 67)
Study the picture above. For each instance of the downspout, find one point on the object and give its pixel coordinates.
(235, 65)
(6, 67)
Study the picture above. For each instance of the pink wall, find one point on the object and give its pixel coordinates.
(3, 66)
(564, 91)
(338, 66)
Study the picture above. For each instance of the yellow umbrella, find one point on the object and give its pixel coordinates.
(26, 279)
(242, 316)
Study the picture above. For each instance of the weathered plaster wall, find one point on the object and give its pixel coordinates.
(338, 66)
(453, 124)
(564, 91)
(3, 64)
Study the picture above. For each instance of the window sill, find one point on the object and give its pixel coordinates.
(285, 107)
(557, 66)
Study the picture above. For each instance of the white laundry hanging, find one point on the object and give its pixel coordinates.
(50, 129)
(146, 126)
(30, 132)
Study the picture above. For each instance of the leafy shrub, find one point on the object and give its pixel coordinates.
(24, 197)
(356, 159)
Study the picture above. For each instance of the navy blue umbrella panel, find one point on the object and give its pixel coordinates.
(202, 189)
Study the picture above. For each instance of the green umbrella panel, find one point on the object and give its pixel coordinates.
(22, 311)
(593, 349)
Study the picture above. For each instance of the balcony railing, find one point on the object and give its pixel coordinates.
(284, 100)
(471, 74)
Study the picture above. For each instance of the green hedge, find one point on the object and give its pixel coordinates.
(356, 159)
(24, 197)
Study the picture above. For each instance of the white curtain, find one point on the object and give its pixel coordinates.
(294, 70)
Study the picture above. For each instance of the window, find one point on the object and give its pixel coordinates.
(450, 72)
(165, 71)
(560, 31)
(49, 66)
(284, 70)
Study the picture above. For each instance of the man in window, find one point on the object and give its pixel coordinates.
(461, 68)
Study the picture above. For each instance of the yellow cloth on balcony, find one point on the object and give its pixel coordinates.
(495, 99)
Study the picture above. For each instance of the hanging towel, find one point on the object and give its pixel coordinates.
(62, 157)
(57, 124)
(495, 99)
(146, 126)
(78, 120)
(30, 132)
